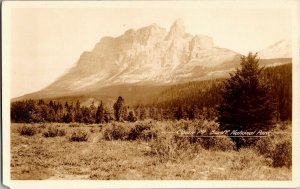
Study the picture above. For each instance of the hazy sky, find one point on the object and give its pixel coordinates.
(46, 42)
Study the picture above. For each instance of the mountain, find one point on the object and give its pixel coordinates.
(149, 56)
(280, 49)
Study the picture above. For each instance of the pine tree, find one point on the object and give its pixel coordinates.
(100, 113)
(124, 113)
(118, 106)
(179, 113)
(247, 104)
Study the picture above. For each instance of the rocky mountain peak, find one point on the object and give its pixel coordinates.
(177, 30)
(150, 35)
(199, 42)
(149, 54)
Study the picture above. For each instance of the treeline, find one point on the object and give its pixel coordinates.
(191, 106)
(189, 101)
(29, 111)
(280, 79)
(183, 101)
(201, 99)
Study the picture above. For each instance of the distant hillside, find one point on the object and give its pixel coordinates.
(191, 100)
(205, 95)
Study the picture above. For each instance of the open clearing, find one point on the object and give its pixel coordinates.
(38, 157)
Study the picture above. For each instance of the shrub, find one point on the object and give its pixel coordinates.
(164, 147)
(131, 117)
(173, 148)
(138, 131)
(265, 146)
(27, 130)
(148, 135)
(196, 135)
(78, 136)
(40, 128)
(116, 132)
(217, 143)
(182, 142)
(282, 155)
(54, 132)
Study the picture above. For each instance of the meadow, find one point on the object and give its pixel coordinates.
(144, 150)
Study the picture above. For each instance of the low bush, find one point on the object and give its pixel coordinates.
(282, 154)
(139, 131)
(198, 132)
(148, 135)
(170, 147)
(217, 143)
(265, 146)
(54, 132)
(78, 136)
(116, 132)
(27, 130)
(277, 148)
(165, 148)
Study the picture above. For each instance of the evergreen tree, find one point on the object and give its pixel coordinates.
(179, 113)
(77, 106)
(86, 115)
(78, 116)
(67, 118)
(118, 107)
(107, 116)
(247, 104)
(100, 114)
(124, 113)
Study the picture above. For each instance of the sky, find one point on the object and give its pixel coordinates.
(46, 42)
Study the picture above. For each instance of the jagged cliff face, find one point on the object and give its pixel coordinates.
(150, 54)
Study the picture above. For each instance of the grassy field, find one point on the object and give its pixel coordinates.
(141, 151)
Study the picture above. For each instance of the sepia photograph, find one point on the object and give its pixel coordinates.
(150, 91)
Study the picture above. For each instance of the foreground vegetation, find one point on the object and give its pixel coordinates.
(165, 139)
(144, 150)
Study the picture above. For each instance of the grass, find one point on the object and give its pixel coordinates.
(54, 132)
(79, 135)
(164, 156)
(27, 130)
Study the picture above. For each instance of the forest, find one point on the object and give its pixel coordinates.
(192, 100)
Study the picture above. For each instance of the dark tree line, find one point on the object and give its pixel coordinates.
(39, 111)
(280, 80)
(193, 100)
(32, 111)
(201, 99)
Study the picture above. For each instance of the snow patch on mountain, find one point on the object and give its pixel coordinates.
(280, 49)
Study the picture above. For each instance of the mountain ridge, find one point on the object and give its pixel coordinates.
(147, 54)
(150, 55)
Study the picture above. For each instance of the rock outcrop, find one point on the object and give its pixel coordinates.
(149, 54)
